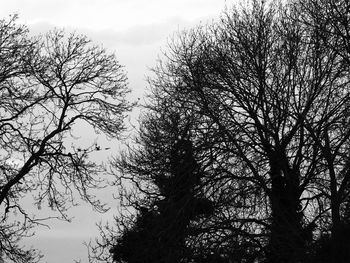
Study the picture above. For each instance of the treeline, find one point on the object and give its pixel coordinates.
(244, 152)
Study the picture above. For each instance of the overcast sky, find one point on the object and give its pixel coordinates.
(136, 30)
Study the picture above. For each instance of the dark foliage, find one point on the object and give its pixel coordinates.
(160, 230)
(266, 94)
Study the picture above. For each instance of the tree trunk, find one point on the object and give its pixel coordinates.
(286, 241)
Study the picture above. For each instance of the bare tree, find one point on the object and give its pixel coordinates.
(49, 86)
(330, 21)
(268, 90)
(262, 79)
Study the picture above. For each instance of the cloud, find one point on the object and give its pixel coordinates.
(144, 34)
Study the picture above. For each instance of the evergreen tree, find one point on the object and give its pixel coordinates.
(160, 230)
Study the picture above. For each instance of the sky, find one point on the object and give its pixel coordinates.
(136, 31)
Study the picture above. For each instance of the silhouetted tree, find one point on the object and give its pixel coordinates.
(330, 19)
(267, 88)
(265, 82)
(163, 177)
(160, 230)
(48, 85)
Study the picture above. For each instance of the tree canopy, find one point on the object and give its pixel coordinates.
(243, 149)
(49, 85)
(267, 91)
